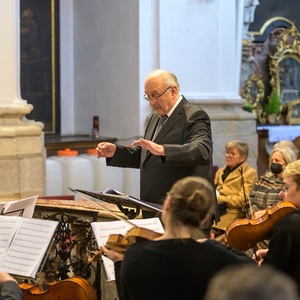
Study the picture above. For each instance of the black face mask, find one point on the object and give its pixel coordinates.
(276, 168)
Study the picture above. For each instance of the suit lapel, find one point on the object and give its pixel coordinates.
(174, 118)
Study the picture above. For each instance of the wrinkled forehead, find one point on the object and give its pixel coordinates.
(154, 84)
(233, 149)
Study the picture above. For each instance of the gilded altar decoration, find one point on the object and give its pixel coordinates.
(254, 93)
(275, 78)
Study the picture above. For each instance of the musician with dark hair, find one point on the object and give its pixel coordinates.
(233, 182)
(10, 289)
(181, 262)
(284, 248)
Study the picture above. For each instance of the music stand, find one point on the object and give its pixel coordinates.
(121, 200)
(19, 211)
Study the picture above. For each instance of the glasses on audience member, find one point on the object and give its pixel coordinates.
(154, 97)
(230, 154)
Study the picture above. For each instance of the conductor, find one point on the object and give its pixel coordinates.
(177, 142)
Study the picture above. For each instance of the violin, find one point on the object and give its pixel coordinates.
(119, 242)
(74, 288)
(244, 234)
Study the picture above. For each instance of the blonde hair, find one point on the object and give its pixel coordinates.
(293, 170)
(191, 201)
(288, 151)
(287, 144)
(242, 147)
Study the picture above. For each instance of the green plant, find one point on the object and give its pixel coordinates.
(248, 107)
(273, 105)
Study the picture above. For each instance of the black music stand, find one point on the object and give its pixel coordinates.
(20, 211)
(123, 202)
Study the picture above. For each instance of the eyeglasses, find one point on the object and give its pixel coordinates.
(230, 154)
(148, 98)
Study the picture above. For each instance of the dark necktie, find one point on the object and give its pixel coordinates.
(161, 122)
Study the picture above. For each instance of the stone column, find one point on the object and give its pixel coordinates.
(22, 152)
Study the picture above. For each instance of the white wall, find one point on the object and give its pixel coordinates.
(108, 47)
(104, 60)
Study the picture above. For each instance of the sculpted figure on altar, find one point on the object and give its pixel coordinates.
(249, 10)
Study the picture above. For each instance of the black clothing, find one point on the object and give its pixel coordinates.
(186, 136)
(11, 291)
(284, 247)
(172, 269)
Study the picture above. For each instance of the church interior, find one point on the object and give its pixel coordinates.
(72, 75)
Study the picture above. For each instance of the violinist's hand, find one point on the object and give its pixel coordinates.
(259, 213)
(111, 254)
(105, 149)
(154, 148)
(4, 277)
(259, 256)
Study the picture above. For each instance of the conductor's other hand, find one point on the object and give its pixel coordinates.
(154, 148)
(105, 149)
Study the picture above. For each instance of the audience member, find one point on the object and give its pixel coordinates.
(248, 282)
(265, 192)
(181, 262)
(233, 182)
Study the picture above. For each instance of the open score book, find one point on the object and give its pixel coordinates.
(24, 243)
(102, 230)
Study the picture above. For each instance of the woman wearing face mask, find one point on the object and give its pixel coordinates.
(265, 192)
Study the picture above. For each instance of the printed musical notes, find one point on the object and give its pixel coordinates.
(23, 244)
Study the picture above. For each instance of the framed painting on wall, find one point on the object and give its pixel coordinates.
(40, 61)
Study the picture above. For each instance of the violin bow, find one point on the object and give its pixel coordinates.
(247, 201)
(248, 205)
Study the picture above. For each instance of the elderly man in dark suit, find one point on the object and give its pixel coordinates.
(177, 141)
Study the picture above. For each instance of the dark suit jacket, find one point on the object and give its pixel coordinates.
(187, 140)
(11, 291)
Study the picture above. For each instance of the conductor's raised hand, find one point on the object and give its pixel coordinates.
(154, 148)
(105, 149)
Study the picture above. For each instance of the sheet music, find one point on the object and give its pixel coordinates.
(28, 245)
(102, 230)
(8, 227)
(20, 208)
